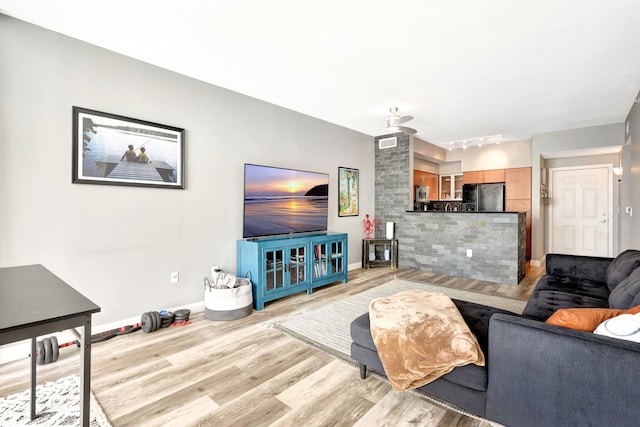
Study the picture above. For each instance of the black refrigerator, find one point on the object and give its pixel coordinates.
(485, 197)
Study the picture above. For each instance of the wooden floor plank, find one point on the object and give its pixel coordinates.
(263, 412)
(191, 413)
(330, 387)
(160, 408)
(396, 409)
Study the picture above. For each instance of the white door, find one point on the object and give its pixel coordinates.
(580, 211)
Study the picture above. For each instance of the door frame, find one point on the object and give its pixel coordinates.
(613, 215)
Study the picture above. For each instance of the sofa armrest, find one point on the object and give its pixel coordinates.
(541, 374)
(578, 266)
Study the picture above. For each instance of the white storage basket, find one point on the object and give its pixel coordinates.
(228, 303)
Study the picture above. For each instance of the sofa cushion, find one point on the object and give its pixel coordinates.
(627, 293)
(624, 327)
(544, 302)
(578, 266)
(477, 317)
(621, 267)
(361, 332)
(586, 319)
(573, 285)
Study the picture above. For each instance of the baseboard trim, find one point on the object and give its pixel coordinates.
(354, 266)
(537, 262)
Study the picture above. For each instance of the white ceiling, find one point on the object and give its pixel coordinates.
(462, 68)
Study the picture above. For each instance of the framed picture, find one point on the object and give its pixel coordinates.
(347, 191)
(116, 150)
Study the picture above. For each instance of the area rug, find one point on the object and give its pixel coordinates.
(57, 404)
(328, 328)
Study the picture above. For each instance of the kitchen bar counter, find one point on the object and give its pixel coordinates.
(441, 242)
(467, 212)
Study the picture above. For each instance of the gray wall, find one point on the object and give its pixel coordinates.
(514, 154)
(118, 245)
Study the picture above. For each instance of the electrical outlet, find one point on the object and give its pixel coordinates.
(469, 253)
(175, 277)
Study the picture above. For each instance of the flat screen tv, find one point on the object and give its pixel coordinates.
(284, 201)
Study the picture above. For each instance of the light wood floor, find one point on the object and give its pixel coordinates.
(246, 373)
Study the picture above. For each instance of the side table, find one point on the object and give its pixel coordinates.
(380, 253)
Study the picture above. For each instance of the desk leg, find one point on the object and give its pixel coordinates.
(85, 374)
(33, 378)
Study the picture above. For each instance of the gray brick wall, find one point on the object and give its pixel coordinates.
(392, 183)
(438, 241)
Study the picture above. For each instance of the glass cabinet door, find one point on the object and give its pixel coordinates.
(297, 272)
(457, 187)
(451, 187)
(337, 260)
(274, 269)
(284, 267)
(445, 187)
(328, 259)
(320, 260)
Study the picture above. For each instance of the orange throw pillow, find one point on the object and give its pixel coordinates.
(586, 319)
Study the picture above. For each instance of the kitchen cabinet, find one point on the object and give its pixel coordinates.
(518, 182)
(484, 177)
(492, 176)
(518, 196)
(473, 177)
(451, 187)
(427, 178)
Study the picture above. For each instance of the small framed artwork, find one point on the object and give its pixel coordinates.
(116, 150)
(348, 191)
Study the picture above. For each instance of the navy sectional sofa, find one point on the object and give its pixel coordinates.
(538, 374)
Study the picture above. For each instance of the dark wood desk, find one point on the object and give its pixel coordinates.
(35, 302)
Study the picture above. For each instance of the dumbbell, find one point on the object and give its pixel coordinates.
(48, 350)
(153, 320)
(150, 321)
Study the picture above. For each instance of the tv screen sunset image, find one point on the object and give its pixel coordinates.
(283, 201)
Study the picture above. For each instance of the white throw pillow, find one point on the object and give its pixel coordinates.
(624, 326)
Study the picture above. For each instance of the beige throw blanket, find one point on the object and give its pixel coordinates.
(421, 336)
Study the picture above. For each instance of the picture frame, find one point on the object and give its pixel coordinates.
(109, 149)
(348, 191)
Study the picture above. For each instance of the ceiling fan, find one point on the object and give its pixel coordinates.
(394, 120)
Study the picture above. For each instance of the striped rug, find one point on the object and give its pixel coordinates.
(328, 327)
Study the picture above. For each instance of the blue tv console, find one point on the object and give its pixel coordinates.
(281, 266)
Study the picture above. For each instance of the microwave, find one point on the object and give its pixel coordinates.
(422, 193)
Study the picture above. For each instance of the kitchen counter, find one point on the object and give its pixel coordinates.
(487, 246)
(467, 212)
